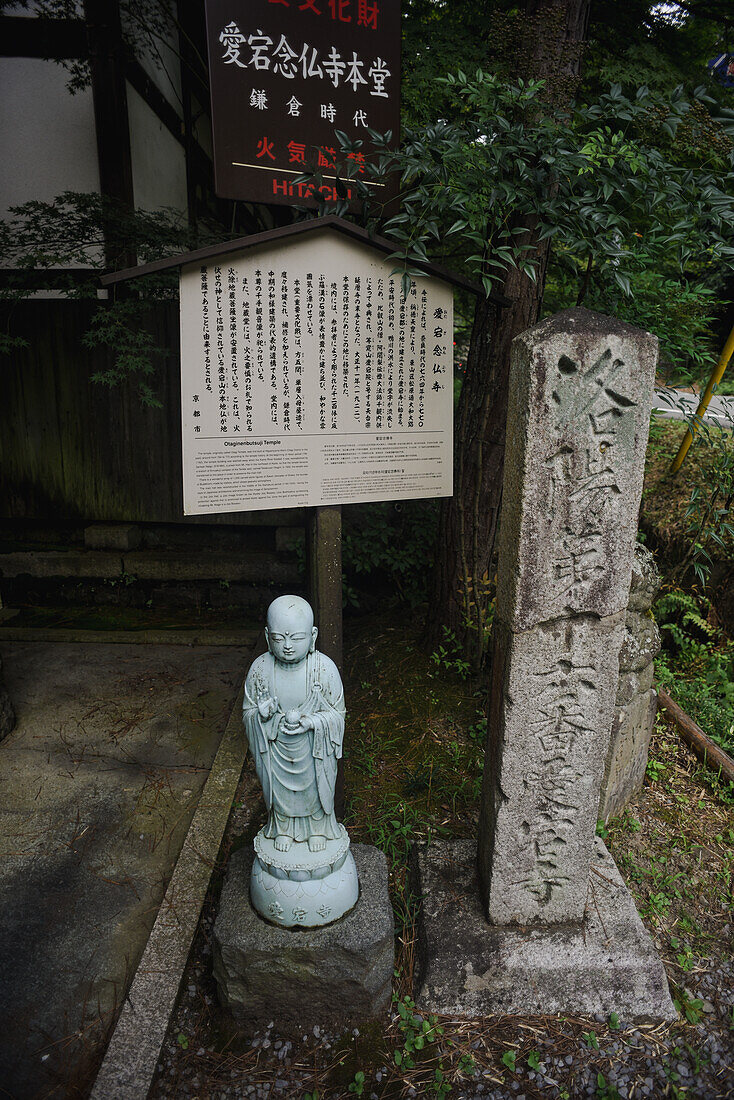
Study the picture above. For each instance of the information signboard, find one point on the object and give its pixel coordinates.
(284, 75)
(308, 380)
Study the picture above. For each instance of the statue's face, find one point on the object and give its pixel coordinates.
(290, 632)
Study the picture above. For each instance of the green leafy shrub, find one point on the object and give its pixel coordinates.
(391, 543)
(449, 656)
(696, 665)
(710, 509)
(680, 313)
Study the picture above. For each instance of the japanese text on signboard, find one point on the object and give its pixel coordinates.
(345, 387)
(286, 75)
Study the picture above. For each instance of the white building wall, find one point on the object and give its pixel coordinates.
(163, 66)
(158, 159)
(47, 136)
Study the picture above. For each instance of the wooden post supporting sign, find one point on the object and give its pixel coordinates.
(324, 575)
(324, 565)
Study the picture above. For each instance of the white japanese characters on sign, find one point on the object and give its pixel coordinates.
(285, 77)
(307, 379)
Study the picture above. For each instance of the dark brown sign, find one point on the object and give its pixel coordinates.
(284, 75)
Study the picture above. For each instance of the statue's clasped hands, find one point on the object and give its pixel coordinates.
(296, 723)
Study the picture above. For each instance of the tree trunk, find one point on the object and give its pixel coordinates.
(552, 41)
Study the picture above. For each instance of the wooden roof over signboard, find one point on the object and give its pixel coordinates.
(311, 225)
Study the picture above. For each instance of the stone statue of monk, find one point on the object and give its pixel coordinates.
(294, 713)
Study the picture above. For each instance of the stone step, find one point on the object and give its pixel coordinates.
(227, 636)
(235, 626)
(152, 565)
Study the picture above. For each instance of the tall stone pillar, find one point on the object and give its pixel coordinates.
(542, 922)
(637, 700)
(579, 408)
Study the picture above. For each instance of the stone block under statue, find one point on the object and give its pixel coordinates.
(304, 928)
(336, 974)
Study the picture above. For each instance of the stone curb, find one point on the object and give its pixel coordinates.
(128, 637)
(132, 1055)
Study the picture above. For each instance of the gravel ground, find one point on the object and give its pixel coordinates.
(572, 1057)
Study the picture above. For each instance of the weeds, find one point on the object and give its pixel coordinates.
(688, 1006)
(357, 1085)
(684, 955)
(393, 828)
(696, 664)
(509, 1059)
(604, 1089)
(449, 658)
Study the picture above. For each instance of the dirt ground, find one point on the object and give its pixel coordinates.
(415, 732)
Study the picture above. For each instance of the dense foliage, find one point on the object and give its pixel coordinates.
(696, 664)
(634, 231)
(388, 549)
(631, 44)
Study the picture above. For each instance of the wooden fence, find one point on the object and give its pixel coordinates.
(76, 450)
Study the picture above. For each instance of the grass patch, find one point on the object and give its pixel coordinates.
(681, 509)
(413, 763)
(674, 845)
(696, 664)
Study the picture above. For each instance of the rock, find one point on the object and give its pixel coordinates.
(559, 932)
(340, 973)
(627, 756)
(554, 689)
(579, 410)
(636, 702)
(646, 579)
(641, 643)
(581, 391)
(468, 967)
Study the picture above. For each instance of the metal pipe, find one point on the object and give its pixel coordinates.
(716, 376)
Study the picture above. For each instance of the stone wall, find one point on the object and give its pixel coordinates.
(637, 701)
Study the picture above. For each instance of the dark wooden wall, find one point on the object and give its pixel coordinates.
(76, 450)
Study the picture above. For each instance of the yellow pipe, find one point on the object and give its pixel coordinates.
(716, 376)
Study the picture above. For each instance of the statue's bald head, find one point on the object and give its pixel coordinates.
(290, 613)
(290, 631)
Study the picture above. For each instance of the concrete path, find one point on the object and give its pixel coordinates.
(98, 783)
(667, 405)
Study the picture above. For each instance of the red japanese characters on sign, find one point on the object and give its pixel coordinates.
(284, 75)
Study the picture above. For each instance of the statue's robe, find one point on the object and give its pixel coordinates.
(297, 773)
